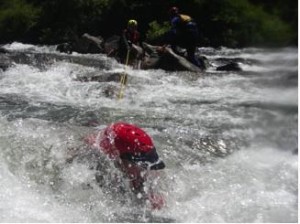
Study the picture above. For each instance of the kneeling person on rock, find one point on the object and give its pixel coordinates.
(129, 48)
(183, 33)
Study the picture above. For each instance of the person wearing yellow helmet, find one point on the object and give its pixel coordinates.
(132, 23)
(130, 41)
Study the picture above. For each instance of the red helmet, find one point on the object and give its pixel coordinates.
(127, 142)
(127, 138)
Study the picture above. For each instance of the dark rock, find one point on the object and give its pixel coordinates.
(65, 48)
(295, 151)
(247, 61)
(165, 58)
(3, 50)
(151, 59)
(84, 44)
(5, 62)
(232, 66)
(107, 77)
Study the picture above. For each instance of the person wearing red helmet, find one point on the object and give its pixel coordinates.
(134, 154)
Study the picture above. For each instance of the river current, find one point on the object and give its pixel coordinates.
(229, 139)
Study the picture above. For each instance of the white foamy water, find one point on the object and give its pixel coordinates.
(228, 140)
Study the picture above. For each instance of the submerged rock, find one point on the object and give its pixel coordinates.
(5, 62)
(232, 66)
(106, 77)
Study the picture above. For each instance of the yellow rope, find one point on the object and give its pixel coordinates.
(123, 80)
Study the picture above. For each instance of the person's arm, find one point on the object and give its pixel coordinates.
(156, 200)
(170, 36)
(125, 40)
(139, 39)
(174, 25)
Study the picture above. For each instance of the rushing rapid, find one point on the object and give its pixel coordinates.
(229, 139)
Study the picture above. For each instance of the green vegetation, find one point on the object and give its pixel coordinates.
(232, 23)
(157, 30)
(16, 18)
(239, 23)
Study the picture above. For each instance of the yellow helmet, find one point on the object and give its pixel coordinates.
(132, 22)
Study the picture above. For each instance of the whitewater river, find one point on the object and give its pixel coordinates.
(229, 139)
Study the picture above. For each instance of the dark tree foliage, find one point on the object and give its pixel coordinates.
(238, 23)
(17, 17)
(232, 23)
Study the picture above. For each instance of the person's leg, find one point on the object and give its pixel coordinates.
(191, 40)
(191, 56)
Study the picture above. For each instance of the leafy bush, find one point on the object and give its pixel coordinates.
(232, 23)
(16, 18)
(64, 20)
(238, 23)
(157, 30)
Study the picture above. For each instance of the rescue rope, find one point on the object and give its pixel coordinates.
(123, 80)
